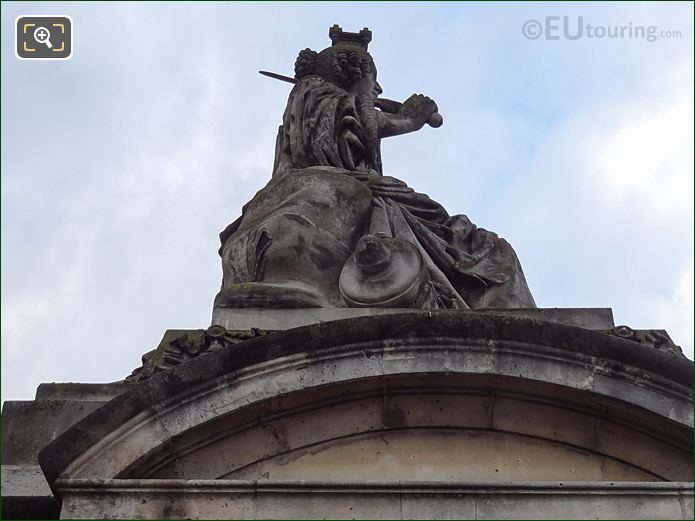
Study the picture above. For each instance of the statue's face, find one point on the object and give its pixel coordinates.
(367, 86)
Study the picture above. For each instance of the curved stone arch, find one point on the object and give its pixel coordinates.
(441, 405)
(264, 375)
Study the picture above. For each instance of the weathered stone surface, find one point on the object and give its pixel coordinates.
(80, 392)
(24, 480)
(29, 426)
(272, 499)
(277, 319)
(438, 449)
(231, 326)
(25, 493)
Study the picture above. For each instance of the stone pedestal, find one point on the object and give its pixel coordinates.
(418, 414)
(600, 319)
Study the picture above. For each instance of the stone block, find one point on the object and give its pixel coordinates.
(278, 319)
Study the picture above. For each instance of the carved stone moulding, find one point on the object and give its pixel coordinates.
(273, 499)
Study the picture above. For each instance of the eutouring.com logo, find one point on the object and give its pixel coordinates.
(575, 28)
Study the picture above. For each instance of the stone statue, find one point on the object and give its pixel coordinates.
(331, 230)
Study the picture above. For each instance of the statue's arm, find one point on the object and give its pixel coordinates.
(395, 124)
(411, 116)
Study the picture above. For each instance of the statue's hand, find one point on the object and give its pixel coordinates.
(418, 108)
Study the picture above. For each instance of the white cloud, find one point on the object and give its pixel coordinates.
(651, 157)
(675, 312)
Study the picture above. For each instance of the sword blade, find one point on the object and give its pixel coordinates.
(278, 77)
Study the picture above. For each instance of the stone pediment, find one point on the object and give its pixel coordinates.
(442, 398)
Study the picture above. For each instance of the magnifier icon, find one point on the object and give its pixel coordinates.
(43, 35)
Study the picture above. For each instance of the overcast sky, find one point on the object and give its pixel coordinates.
(121, 165)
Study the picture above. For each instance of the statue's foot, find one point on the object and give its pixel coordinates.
(270, 296)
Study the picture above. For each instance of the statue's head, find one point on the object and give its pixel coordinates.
(346, 63)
